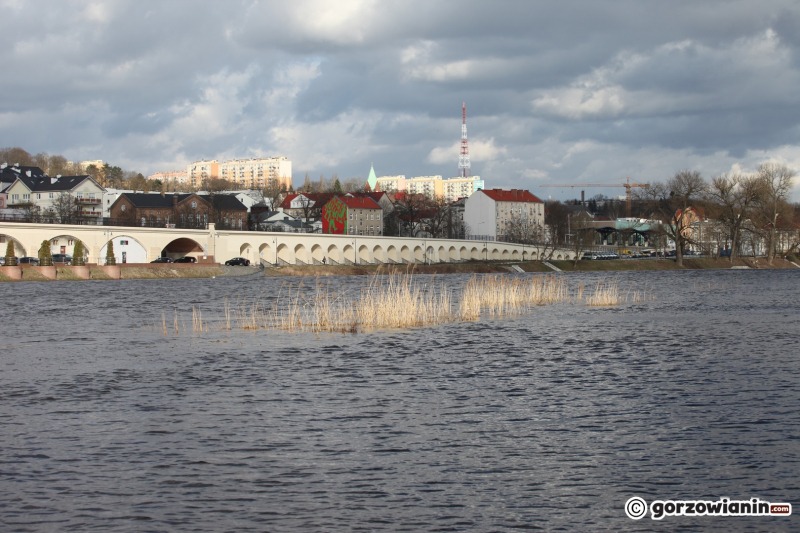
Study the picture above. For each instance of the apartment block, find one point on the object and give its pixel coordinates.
(173, 177)
(199, 171)
(455, 188)
(434, 186)
(256, 173)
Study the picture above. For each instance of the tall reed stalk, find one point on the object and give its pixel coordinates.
(398, 300)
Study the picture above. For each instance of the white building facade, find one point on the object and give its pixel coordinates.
(490, 214)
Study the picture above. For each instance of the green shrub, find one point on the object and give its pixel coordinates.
(11, 256)
(45, 255)
(110, 259)
(78, 253)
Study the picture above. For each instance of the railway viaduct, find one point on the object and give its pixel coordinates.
(142, 245)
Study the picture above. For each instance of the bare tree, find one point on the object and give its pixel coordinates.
(732, 197)
(274, 194)
(17, 156)
(65, 208)
(775, 184)
(672, 203)
(582, 233)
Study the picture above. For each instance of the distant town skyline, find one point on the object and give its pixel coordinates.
(556, 93)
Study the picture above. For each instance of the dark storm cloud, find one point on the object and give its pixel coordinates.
(555, 90)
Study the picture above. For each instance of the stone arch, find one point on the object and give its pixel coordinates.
(301, 255)
(19, 248)
(393, 255)
(334, 254)
(364, 255)
(419, 254)
(476, 254)
(431, 256)
(444, 257)
(266, 253)
(285, 254)
(534, 255)
(495, 255)
(317, 254)
(515, 255)
(505, 255)
(128, 249)
(175, 248)
(406, 255)
(348, 254)
(61, 244)
(379, 254)
(559, 257)
(453, 254)
(246, 251)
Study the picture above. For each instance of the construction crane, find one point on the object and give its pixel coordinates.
(628, 186)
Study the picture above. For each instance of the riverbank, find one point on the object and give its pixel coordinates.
(528, 266)
(172, 271)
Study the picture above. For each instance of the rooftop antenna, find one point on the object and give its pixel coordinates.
(463, 159)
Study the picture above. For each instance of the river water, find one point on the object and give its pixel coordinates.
(549, 420)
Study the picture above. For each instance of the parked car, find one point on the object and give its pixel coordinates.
(62, 258)
(162, 260)
(28, 260)
(186, 259)
(238, 261)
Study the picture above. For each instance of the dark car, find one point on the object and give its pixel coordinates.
(62, 258)
(186, 259)
(28, 261)
(162, 260)
(238, 261)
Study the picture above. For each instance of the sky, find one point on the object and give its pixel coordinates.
(557, 92)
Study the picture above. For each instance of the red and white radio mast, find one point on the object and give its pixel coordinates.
(463, 159)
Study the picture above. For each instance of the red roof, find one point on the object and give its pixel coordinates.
(362, 202)
(514, 195)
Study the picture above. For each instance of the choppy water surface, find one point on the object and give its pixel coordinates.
(550, 420)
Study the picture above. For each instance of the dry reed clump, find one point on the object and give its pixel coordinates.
(392, 301)
(604, 295)
(499, 295)
(396, 300)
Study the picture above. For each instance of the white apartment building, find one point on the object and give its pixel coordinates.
(199, 171)
(434, 186)
(489, 214)
(391, 183)
(430, 186)
(257, 173)
(455, 188)
(172, 177)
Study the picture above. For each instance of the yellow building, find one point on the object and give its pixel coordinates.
(257, 173)
(433, 186)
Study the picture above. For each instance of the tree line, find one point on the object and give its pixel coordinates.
(744, 207)
(107, 175)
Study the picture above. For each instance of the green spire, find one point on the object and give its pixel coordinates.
(372, 180)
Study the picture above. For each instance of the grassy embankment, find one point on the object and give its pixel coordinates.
(161, 271)
(667, 264)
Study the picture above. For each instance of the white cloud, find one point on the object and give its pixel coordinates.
(480, 150)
